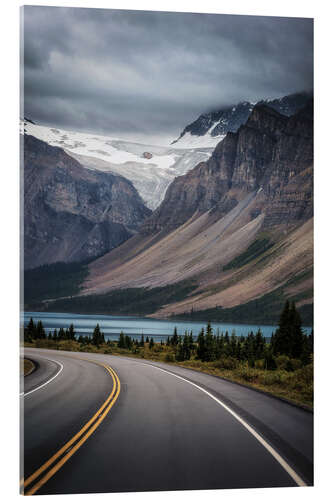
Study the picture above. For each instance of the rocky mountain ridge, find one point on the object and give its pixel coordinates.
(238, 225)
(72, 213)
(148, 167)
(210, 128)
(270, 153)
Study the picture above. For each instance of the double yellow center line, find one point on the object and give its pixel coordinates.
(51, 466)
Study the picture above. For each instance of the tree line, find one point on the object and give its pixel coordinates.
(36, 331)
(288, 340)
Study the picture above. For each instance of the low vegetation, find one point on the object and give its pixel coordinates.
(258, 247)
(283, 366)
(44, 286)
(53, 280)
(129, 301)
(265, 310)
(27, 366)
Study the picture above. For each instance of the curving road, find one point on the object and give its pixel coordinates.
(100, 423)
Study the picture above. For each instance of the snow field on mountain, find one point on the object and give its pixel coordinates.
(150, 168)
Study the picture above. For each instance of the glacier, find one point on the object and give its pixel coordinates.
(150, 168)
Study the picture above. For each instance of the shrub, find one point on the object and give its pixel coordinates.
(270, 363)
(44, 343)
(107, 350)
(282, 362)
(271, 378)
(303, 377)
(296, 364)
(68, 345)
(227, 363)
(196, 363)
(248, 374)
(169, 358)
(88, 348)
(259, 364)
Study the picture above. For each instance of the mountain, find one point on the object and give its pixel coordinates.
(72, 213)
(210, 128)
(238, 228)
(151, 169)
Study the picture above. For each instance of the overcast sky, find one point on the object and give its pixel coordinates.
(132, 73)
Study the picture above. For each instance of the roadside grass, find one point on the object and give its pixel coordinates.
(290, 380)
(296, 386)
(27, 366)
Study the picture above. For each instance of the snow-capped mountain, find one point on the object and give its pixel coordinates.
(210, 128)
(150, 168)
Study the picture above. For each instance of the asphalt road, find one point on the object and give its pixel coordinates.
(147, 426)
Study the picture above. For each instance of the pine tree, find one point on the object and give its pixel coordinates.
(174, 338)
(40, 332)
(238, 350)
(62, 335)
(71, 332)
(307, 350)
(269, 359)
(30, 331)
(259, 345)
(98, 336)
(220, 346)
(121, 341)
(201, 344)
(209, 351)
(288, 338)
(191, 342)
(187, 347)
(282, 334)
(128, 342)
(142, 341)
(151, 343)
(180, 350)
(296, 332)
(233, 343)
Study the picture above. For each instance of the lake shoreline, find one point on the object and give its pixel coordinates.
(136, 326)
(155, 316)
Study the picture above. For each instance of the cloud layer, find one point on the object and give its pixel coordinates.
(133, 73)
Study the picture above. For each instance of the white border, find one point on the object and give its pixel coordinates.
(9, 33)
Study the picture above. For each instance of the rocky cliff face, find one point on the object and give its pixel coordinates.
(72, 213)
(239, 226)
(217, 124)
(271, 153)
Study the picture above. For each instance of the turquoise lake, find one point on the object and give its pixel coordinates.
(111, 326)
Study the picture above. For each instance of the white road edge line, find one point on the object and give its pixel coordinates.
(298, 480)
(48, 381)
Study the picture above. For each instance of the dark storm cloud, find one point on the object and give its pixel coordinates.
(146, 72)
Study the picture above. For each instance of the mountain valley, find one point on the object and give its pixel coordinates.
(233, 233)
